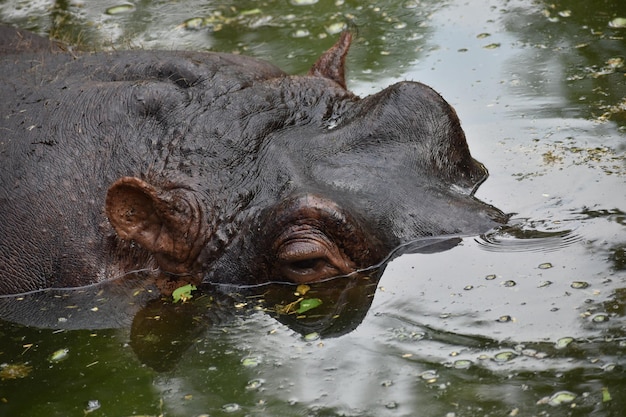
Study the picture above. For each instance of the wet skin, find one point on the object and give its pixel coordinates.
(210, 167)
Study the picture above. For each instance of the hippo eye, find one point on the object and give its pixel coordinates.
(310, 258)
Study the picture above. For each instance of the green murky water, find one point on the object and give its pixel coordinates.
(527, 321)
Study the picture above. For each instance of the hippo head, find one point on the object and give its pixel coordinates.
(260, 176)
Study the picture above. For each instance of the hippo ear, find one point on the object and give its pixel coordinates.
(331, 64)
(162, 221)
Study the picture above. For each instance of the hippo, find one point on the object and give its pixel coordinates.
(202, 167)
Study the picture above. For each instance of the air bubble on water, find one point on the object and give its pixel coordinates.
(504, 319)
(250, 361)
(563, 342)
(92, 405)
(194, 23)
(545, 265)
(462, 364)
(483, 35)
(429, 376)
(311, 337)
(608, 367)
(600, 318)
(543, 284)
(505, 356)
(399, 25)
(120, 9)
(579, 285)
(231, 408)
(254, 384)
(301, 33)
(490, 277)
(303, 2)
(618, 23)
(492, 46)
(336, 28)
(391, 405)
(561, 397)
(509, 283)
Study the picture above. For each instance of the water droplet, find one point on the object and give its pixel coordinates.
(545, 265)
(579, 285)
(468, 287)
(483, 35)
(563, 342)
(504, 319)
(490, 277)
(509, 283)
(544, 284)
(492, 46)
(120, 9)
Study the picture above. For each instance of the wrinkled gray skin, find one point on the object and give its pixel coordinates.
(217, 168)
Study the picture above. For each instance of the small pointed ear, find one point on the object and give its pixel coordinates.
(332, 63)
(165, 222)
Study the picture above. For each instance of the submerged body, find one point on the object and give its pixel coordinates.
(210, 167)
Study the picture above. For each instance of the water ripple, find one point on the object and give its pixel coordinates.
(520, 238)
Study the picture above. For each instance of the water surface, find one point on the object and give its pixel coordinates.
(527, 320)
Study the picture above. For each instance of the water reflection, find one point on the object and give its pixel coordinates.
(162, 329)
(576, 49)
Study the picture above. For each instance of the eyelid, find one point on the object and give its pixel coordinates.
(300, 249)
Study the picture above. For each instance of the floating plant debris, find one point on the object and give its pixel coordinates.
(59, 355)
(14, 370)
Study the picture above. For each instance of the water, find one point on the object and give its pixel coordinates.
(525, 321)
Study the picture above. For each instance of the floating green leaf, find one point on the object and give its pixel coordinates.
(183, 293)
(308, 304)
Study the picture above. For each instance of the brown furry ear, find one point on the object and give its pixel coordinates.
(332, 63)
(164, 222)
